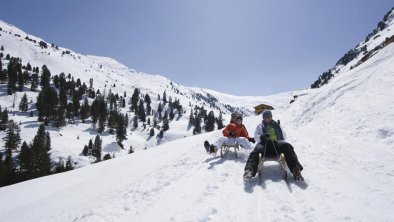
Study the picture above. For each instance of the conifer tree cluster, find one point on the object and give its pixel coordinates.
(33, 160)
(198, 115)
(93, 149)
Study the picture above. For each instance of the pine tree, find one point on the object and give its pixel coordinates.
(2, 171)
(47, 104)
(134, 100)
(60, 119)
(25, 161)
(47, 141)
(21, 81)
(191, 118)
(41, 156)
(147, 101)
(11, 142)
(166, 125)
(70, 112)
(171, 115)
(28, 67)
(45, 77)
(12, 138)
(69, 164)
(121, 129)
(97, 149)
(90, 148)
(141, 111)
(99, 113)
(24, 105)
(152, 132)
(4, 120)
(85, 150)
(197, 126)
(75, 100)
(60, 168)
(111, 123)
(63, 97)
(159, 110)
(164, 97)
(210, 125)
(3, 74)
(85, 110)
(13, 69)
(220, 121)
(34, 82)
(8, 176)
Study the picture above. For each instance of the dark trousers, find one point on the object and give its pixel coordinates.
(281, 147)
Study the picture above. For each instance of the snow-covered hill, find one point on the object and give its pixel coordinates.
(343, 134)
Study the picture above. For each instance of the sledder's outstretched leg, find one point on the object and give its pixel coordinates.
(253, 161)
(210, 148)
(291, 159)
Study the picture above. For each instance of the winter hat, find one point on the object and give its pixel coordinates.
(267, 113)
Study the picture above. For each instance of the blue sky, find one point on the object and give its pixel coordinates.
(241, 47)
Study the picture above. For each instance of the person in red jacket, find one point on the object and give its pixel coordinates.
(232, 133)
(234, 120)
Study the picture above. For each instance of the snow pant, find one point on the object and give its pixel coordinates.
(281, 147)
(231, 141)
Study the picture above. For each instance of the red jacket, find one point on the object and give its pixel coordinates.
(238, 129)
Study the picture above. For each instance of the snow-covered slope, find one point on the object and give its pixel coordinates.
(343, 134)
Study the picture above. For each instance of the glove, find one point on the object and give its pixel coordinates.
(264, 137)
(232, 133)
(252, 140)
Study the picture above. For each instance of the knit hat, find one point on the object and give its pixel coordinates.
(267, 113)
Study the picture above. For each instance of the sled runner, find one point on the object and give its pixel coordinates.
(280, 159)
(226, 148)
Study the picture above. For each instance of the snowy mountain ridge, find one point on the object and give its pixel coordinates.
(25, 46)
(379, 38)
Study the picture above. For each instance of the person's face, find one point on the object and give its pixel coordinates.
(233, 118)
(267, 119)
(239, 122)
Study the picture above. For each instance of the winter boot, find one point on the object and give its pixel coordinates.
(248, 175)
(212, 149)
(297, 172)
(206, 145)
